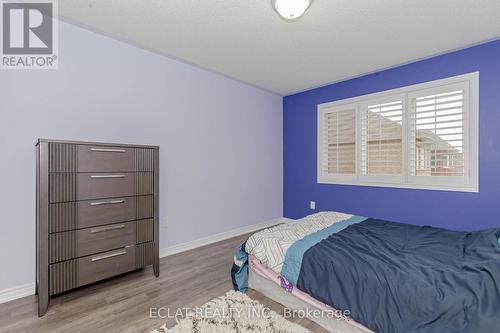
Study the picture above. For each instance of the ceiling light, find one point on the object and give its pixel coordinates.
(291, 10)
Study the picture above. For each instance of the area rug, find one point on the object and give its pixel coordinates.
(233, 313)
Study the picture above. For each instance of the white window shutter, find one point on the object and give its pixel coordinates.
(339, 141)
(382, 138)
(423, 136)
(438, 133)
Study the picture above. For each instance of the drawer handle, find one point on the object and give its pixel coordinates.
(103, 229)
(111, 202)
(107, 150)
(110, 255)
(107, 176)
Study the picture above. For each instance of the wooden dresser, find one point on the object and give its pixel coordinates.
(97, 213)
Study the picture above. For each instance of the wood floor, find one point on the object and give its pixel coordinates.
(123, 304)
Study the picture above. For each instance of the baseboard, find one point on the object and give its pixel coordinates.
(28, 289)
(178, 248)
(17, 292)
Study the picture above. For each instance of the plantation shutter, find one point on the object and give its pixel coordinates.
(437, 133)
(339, 142)
(423, 136)
(382, 138)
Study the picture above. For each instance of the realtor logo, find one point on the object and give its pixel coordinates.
(29, 34)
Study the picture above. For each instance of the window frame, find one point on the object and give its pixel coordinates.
(468, 183)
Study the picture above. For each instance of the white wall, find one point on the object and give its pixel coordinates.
(221, 140)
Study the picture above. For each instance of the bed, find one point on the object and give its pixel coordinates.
(375, 275)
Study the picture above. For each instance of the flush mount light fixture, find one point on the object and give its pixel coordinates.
(291, 10)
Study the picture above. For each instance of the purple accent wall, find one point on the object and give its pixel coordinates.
(453, 210)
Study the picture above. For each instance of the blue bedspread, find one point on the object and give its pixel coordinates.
(401, 278)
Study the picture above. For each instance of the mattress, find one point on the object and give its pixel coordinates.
(373, 269)
(267, 250)
(270, 284)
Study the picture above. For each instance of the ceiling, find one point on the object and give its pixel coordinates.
(333, 41)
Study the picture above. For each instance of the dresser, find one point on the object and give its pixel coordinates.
(97, 213)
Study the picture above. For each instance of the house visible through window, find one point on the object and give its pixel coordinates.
(422, 136)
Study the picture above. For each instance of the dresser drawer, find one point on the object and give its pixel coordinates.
(97, 212)
(105, 238)
(79, 243)
(105, 159)
(105, 265)
(105, 185)
(74, 215)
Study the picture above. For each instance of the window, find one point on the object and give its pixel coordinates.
(422, 136)
(446, 161)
